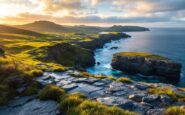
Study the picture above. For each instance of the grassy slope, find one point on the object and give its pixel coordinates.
(19, 62)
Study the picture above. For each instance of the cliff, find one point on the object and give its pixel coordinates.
(101, 40)
(146, 64)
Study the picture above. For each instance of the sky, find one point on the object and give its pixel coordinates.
(148, 13)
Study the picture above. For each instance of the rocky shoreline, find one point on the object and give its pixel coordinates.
(133, 96)
(101, 40)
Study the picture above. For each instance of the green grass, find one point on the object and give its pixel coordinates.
(51, 92)
(124, 80)
(168, 91)
(142, 54)
(94, 108)
(175, 110)
(71, 101)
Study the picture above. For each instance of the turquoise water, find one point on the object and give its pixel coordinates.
(166, 42)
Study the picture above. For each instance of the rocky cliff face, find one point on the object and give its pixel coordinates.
(101, 40)
(70, 55)
(146, 65)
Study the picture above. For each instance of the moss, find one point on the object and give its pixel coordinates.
(32, 89)
(6, 94)
(168, 91)
(85, 74)
(59, 69)
(141, 54)
(51, 92)
(175, 110)
(34, 73)
(182, 89)
(71, 101)
(94, 108)
(100, 76)
(124, 80)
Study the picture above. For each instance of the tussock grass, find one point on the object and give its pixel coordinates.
(51, 92)
(142, 54)
(124, 80)
(168, 91)
(174, 110)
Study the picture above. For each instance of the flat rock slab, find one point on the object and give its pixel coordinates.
(69, 87)
(91, 80)
(34, 107)
(85, 89)
(150, 98)
(117, 101)
(20, 101)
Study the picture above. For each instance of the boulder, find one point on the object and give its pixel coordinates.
(136, 97)
(150, 98)
(112, 48)
(165, 99)
(146, 64)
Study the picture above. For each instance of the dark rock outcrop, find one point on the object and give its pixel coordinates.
(101, 40)
(70, 55)
(146, 64)
(112, 48)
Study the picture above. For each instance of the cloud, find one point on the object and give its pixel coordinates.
(27, 17)
(51, 6)
(150, 5)
(93, 11)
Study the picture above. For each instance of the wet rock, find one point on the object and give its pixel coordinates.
(64, 82)
(136, 97)
(69, 87)
(100, 83)
(155, 112)
(91, 80)
(37, 107)
(120, 93)
(98, 93)
(118, 101)
(150, 98)
(86, 89)
(141, 86)
(112, 48)
(98, 63)
(80, 80)
(20, 101)
(141, 108)
(165, 99)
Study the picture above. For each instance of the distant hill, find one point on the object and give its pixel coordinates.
(126, 28)
(47, 26)
(44, 26)
(13, 30)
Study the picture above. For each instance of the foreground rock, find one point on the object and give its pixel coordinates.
(146, 64)
(30, 106)
(133, 97)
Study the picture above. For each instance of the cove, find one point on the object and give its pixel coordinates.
(168, 42)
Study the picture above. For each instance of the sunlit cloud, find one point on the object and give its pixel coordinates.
(92, 11)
